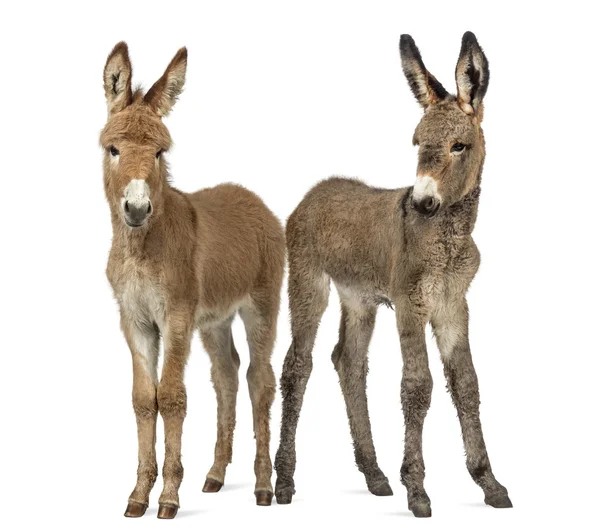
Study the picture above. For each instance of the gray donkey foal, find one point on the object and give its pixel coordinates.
(410, 247)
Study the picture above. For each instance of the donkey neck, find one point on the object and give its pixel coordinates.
(459, 218)
(456, 220)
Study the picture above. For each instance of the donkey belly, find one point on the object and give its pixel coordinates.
(358, 295)
(209, 316)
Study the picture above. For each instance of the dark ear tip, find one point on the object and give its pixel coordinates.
(406, 41)
(120, 48)
(469, 39)
(182, 53)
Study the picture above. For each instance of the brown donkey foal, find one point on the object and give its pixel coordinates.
(411, 248)
(179, 262)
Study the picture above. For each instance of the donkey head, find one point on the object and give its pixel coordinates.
(449, 136)
(134, 137)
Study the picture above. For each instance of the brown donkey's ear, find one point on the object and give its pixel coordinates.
(472, 74)
(164, 93)
(425, 87)
(117, 79)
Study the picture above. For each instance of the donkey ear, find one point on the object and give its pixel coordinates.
(117, 79)
(425, 87)
(472, 74)
(164, 93)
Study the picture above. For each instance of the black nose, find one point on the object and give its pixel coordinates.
(136, 213)
(427, 206)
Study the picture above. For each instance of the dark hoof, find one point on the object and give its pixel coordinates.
(212, 486)
(421, 509)
(264, 498)
(135, 509)
(284, 495)
(167, 511)
(499, 500)
(382, 489)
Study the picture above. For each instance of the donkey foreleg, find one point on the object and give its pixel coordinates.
(143, 342)
(172, 404)
(450, 326)
(415, 395)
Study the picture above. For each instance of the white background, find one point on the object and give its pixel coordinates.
(279, 96)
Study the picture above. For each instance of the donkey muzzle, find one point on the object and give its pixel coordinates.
(427, 206)
(137, 213)
(426, 199)
(136, 203)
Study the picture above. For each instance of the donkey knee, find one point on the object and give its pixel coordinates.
(172, 401)
(261, 380)
(416, 393)
(145, 404)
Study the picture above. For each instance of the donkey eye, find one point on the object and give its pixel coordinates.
(458, 147)
(113, 151)
(158, 153)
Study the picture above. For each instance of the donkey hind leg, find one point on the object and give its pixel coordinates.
(450, 326)
(350, 361)
(415, 395)
(260, 320)
(144, 345)
(225, 363)
(309, 293)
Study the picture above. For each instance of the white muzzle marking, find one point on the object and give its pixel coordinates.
(137, 193)
(426, 186)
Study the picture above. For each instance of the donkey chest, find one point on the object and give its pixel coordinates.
(140, 296)
(449, 268)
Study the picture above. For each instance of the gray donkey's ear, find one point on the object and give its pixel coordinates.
(425, 87)
(117, 79)
(472, 74)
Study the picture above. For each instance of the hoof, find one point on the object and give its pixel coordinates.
(212, 486)
(382, 489)
(498, 500)
(284, 495)
(264, 498)
(135, 509)
(421, 509)
(167, 511)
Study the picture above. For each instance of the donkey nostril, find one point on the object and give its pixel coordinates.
(427, 206)
(126, 206)
(149, 210)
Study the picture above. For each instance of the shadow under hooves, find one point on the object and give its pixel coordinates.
(401, 514)
(188, 513)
